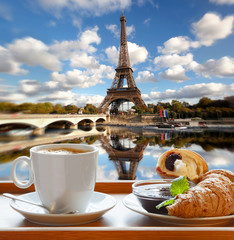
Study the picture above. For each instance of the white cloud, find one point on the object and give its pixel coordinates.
(146, 76)
(147, 21)
(207, 30)
(130, 30)
(79, 78)
(221, 2)
(104, 173)
(30, 87)
(82, 100)
(112, 54)
(114, 29)
(172, 60)
(177, 45)
(137, 54)
(84, 61)
(175, 73)
(223, 67)
(218, 158)
(66, 49)
(68, 97)
(77, 22)
(147, 172)
(92, 7)
(89, 37)
(195, 91)
(11, 97)
(34, 52)
(75, 78)
(8, 63)
(211, 28)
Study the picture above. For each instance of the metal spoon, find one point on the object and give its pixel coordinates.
(8, 195)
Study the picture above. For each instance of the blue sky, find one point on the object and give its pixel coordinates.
(66, 51)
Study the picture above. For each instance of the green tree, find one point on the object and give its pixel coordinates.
(25, 107)
(198, 112)
(71, 108)
(48, 107)
(176, 106)
(7, 107)
(39, 108)
(90, 109)
(172, 114)
(138, 109)
(204, 102)
(58, 108)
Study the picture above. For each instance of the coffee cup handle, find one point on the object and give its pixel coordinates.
(15, 179)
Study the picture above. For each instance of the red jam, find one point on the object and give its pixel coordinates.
(171, 160)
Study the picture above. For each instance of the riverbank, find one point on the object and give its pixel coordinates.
(151, 120)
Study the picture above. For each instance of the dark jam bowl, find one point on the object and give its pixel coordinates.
(150, 193)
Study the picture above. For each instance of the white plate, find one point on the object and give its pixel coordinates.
(131, 202)
(99, 204)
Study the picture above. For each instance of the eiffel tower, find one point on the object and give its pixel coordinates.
(118, 94)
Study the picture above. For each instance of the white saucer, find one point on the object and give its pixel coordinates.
(131, 202)
(99, 204)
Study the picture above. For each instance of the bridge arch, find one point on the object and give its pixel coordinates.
(60, 124)
(41, 121)
(100, 120)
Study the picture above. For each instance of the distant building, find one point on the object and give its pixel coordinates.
(81, 111)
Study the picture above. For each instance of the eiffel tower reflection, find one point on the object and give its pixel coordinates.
(124, 155)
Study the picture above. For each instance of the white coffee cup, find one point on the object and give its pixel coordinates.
(64, 182)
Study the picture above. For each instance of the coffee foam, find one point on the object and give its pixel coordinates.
(59, 151)
(62, 151)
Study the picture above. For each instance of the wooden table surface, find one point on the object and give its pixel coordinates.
(118, 223)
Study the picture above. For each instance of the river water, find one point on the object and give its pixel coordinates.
(129, 153)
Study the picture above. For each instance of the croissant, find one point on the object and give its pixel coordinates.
(226, 173)
(212, 196)
(181, 162)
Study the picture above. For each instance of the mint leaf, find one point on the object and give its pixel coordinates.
(165, 203)
(179, 186)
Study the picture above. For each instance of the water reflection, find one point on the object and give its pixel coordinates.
(124, 154)
(132, 153)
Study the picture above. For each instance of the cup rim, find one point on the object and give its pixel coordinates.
(154, 181)
(135, 185)
(137, 191)
(93, 149)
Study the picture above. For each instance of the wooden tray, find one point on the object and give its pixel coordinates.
(118, 223)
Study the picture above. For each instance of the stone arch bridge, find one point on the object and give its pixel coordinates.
(40, 121)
